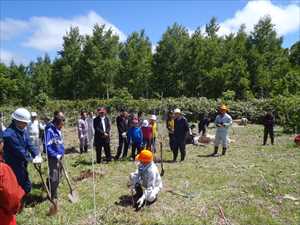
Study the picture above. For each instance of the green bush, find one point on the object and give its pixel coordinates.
(286, 109)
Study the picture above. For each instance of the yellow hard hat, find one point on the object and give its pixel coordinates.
(145, 156)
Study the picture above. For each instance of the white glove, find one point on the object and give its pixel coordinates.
(81, 136)
(37, 160)
(58, 157)
(124, 135)
(141, 201)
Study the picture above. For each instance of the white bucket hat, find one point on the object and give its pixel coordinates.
(145, 123)
(153, 117)
(33, 114)
(177, 111)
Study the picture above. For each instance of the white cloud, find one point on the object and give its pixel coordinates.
(47, 32)
(285, 18)
(7, 56)
(10, 28)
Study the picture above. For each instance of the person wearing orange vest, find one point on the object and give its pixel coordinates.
(146, 181)
(11, 193)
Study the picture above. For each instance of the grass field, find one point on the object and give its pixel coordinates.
(252, 184)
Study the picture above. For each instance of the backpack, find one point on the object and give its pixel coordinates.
(11, 193)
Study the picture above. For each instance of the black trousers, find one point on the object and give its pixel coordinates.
(123, 147)
(179, 145)
(269, 131)
(171, 141)
(106, 146)
(135, 148)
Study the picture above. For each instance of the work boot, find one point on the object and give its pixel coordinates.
(224, 151)
(215, 152)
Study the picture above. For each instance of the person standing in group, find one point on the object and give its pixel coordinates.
(147, 134)
(90, 129)
(153, 124)
(223, 121)
(34, 128)
(122, 125)
(135, 138)
(268, 122)
(203, 124)
(170, 127)
(181, 129)
(102, 134)
(82, 128)
(55, 151)
(140, 117)
(18, 149)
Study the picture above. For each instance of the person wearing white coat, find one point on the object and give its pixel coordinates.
(34, 128)
(146, 182)
(223, 121)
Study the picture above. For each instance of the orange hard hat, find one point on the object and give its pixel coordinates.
(145, 156)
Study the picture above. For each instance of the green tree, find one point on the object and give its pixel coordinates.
(169, 62)
(136, 60)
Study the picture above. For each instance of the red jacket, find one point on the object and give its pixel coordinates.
(11, 194)
(147, 133)
(297, 139)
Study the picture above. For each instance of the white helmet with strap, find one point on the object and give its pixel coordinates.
(22, 115)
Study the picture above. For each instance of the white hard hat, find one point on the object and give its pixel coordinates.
(153, 117)
(33, 114)
(177, 111)
(22, 115)
(145, 123)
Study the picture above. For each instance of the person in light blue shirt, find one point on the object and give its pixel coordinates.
(223, 121)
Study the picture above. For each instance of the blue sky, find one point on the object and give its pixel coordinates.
(28, 29)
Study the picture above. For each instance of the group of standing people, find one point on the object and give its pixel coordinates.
(133, 130)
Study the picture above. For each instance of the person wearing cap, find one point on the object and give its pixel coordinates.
(146, 181)
(223, 121)
(170, 127)
(147, 134)
(18, 149)
(34, 128)
(102, 135)
(122, 125)
(11, 193)
(181, 129)
(153, 124)
(135, 138)
(82, 129)
(55, 150)
(268, 122)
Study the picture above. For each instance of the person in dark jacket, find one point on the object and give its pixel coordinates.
(268, 122)
(18, 149)
(181, 129)
(203, 124)
(55, 150)
(122, 125)
(102, 134)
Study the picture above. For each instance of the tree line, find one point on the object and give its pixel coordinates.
(203, 64)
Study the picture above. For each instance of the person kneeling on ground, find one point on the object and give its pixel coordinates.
(146, 177)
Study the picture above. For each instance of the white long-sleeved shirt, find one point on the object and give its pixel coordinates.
(150, 179)
(226, 120)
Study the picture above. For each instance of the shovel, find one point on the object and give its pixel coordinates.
(73, 196)
(53, 209)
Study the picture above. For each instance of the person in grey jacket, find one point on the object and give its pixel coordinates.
(82, 128)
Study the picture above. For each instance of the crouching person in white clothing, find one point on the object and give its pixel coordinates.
(146, 182)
